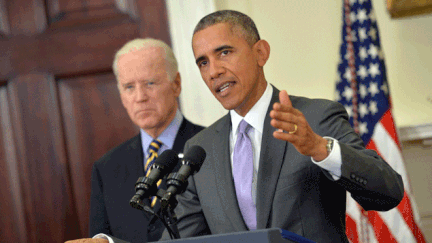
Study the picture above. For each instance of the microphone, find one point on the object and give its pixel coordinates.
(177, 182)
(147, 186)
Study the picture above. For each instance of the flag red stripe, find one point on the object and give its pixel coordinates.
(389, 125)
(372, 145)
(382, 232)
(406, 210)
(351, 229)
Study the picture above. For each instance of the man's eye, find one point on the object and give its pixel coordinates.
(225, 52)
(202, 64)
(128, 87)
(150, 83)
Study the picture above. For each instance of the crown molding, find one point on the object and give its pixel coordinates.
(404, 8)
(419, 132)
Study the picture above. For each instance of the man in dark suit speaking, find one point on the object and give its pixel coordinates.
(275, 160)
(149, 85)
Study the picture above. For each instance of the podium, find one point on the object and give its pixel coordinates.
(273, 235)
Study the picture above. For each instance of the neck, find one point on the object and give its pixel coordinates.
(252, 98)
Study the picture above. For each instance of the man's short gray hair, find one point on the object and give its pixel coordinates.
(138, 44)
(236, 19)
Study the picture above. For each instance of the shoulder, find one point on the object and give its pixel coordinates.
(304, 103)
(309, 105)
(212, 130)
(318, 108)
(191, 127)
(113, 156)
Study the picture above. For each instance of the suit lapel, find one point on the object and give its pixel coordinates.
(271, 159)
(223, 174)
(136, 154)
(181, 137)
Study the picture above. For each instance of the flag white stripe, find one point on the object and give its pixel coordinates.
(397, 226)
(352, 208)
(371, 235)
(354, 212)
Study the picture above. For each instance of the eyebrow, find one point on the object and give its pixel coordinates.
(223, 48)
(218, 49)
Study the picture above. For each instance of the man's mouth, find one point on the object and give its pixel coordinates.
(224, 87)
(142, 111)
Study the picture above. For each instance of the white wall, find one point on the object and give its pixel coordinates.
(305, 36)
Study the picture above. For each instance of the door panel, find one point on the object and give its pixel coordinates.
(12, 223)
(94, 120)
(60, 108)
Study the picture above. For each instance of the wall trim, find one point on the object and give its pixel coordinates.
(419, 132)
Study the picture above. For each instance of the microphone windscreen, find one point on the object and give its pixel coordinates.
(167, 160)
(196, 156)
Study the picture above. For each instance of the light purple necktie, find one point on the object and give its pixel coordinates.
(243, 173)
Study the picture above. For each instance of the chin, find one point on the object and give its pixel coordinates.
(147, 124)
(229, 105)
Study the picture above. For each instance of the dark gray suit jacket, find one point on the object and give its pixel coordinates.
(113, 185)
(292, 192)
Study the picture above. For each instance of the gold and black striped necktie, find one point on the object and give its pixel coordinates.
(154, 147)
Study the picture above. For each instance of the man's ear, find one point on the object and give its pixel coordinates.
(177, 84)
(262, 52)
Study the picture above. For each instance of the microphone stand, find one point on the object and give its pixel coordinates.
(169, 216)
(169, 202)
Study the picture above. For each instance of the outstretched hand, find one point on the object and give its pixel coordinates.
(293, 127)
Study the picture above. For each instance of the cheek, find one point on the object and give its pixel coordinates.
(204, 75)
(164, 101)
(208, 84)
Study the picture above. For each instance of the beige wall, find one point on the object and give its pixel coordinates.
(305, 36)
(418, 162)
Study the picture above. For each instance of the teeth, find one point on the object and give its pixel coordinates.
(224, 87)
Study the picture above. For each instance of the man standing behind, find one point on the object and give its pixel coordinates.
(149, 85)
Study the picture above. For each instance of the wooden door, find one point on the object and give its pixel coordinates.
(59, 107)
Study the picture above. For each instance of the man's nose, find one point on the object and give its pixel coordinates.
(141, 94)
(216, 69)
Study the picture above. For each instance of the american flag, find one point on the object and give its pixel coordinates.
(363, 89)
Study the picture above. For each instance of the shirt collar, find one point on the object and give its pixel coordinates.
(167, 137)
(256, 116)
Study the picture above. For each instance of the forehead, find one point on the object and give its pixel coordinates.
(214, 36)
(142, 62)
